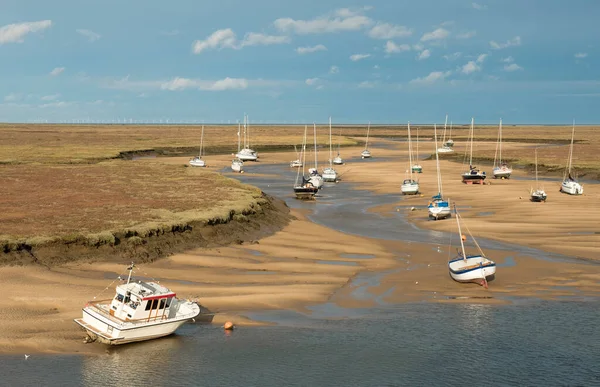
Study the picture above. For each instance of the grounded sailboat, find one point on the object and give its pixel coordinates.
(304, 189)
(409, 186)
(570, 185)
(474, 175)
(470, 268)
(416, 167)
(450, 142)
(247, 154)
(314, 176)
(367, 153)
(329, 173)
(438, 208)
(237, 165)
(139, 311)
(298, 162)
(537, 195)
(501, 169)
(337, 160)
(445, 147)
(197, 161)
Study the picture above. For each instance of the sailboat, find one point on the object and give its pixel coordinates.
(197, 160)
(539, 195)
(569, 184)
(247, 154)
(304, 189)
(450, 142)
(438, 208)
(337, 160)
(416, 167)
(329, 173)
(445, 147)
(470, 268)
(298, 162)
(474, 175)
(409, 186)
(237, 165)
(366, 153)
(501, 169)
(314, 176)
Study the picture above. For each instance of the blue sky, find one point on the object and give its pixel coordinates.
(533, 61)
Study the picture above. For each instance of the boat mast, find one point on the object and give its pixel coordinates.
(450, 131)
(239, 134)
(248, 146)
(339, 141)
(409, 153)
(315, 137)
(471, 149)
(537, 186)
(444, 136)
(330, 151)
(416, 154)
(302, 156)
(498, 144)
(368, 128)
(462, 243)
(437, 161)
(201, 142)
(245, 126)
(571, 150)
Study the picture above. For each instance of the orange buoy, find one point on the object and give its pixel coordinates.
(463, 237)
(228, 326)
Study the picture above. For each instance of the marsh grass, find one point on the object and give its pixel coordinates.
(100, 204)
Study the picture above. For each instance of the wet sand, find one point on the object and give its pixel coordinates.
(307, 264)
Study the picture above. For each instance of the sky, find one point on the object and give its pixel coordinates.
(527, 62)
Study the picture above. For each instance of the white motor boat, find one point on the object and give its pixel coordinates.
(139, 311)
(570, 185)
(197, 162)
(470, 268)
(237, 165)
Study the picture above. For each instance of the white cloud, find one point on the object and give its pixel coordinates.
(309, 49)
(259, 39)
(52, 97)
(57, 71)
(389, 31)
(179, 83)
(12, 97)
(366, 85)
(453, 56)
(418, 47)
(357, 57)
(479, 7)
(91, 35)
(433, 77)
(393, 48)
(334, 70)
(15, 33)
(226, 38)
(581, 55)
(424, 54)
(57, 104)
(481, 58)
(341, 20)
(438, 34)
(311, 81)
(512, 67)
(466, 35)
(516, 41)
(508, 59)
(470, 67)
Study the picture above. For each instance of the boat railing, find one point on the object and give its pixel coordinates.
(96, 305)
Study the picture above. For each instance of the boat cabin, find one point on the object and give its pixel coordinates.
(142, 301)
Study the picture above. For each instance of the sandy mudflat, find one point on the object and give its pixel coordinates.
(299, 266)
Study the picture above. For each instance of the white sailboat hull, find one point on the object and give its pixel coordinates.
(410, 188)
(500, 172)
(108, 330)
(316, 180)
(338, 160)
(439, 212)
(472, 269)
(329, 175)
(445, 149)
(365, 154)
(197, 163)
(571, 187)
(296, 164)
(237, 166)
(246, 156)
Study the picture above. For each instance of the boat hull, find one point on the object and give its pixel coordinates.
(365, 154)
(305, 193)
(329, 175)
(475, 269)
(197, 163)
(100, 327)
(502, 173)
(246, 157)
(236, 167)
(571, 188)
(538, 196)
(417, 169)
(338, 161)
(316, 180)
(409, 189)
(445, 150)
